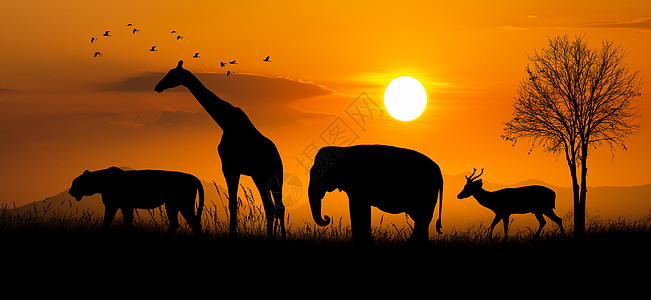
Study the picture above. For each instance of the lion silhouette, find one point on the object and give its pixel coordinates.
(128, 190)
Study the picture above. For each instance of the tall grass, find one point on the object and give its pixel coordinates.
(252, 225)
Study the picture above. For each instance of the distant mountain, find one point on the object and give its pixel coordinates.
(630, 202)
(609, 202)
(62, 204)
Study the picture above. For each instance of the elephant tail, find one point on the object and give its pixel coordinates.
(438, 222)
(201, 198)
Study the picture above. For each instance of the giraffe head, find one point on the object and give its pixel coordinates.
(174, 78)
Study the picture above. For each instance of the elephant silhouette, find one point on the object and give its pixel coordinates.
(393, 179)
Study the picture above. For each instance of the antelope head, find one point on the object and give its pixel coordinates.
(472, 184)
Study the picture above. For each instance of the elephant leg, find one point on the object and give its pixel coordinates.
(109, 213)
(127, 215)
(263, 187)
(232, 182)
(421, 226)
(360, 219)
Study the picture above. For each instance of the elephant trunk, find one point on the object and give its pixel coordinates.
(315, 204)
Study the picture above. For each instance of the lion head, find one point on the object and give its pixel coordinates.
(88, 183)
(82, 186)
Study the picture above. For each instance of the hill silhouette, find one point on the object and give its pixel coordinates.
(609, 202)
(62, 204)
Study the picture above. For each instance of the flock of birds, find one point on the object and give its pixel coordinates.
(153, 48)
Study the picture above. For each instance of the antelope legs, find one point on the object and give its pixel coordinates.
(541, 222)
(497, 219)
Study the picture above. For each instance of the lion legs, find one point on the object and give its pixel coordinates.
(173, 219)
(109, 213)
(192, 219)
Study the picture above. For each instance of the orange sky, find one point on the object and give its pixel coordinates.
(63, 111)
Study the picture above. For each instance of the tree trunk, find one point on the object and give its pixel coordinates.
(579, 207)
(579, 220)
(579, 213)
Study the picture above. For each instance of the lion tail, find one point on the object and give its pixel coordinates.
(201, 197)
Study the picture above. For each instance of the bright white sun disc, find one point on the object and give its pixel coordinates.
(405, 98)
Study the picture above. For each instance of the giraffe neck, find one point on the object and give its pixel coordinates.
(217, 108)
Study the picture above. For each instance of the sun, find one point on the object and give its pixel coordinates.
(405, 98)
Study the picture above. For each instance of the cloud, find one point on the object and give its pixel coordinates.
(250, 88)
(512, 28)
(174, 119)
(267, 100)
(643, 24)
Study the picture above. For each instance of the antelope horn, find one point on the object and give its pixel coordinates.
(473, 173)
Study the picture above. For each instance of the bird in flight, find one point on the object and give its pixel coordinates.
(233, 62)
(267, 59)
(129, 24)
(97, 54)
(196, 55)
(92, 39)
(228, 73)
(153, 48)
(135, 30)
(106, 33)
(173, 31)
(222, 63)
(178, 37)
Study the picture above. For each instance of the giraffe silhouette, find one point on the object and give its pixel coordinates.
(243, 150)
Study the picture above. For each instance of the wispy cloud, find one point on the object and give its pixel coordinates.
(246, 87)
(512, 28)
(266, 99)
(643, 24)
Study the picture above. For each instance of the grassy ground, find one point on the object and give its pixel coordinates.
(74, 244)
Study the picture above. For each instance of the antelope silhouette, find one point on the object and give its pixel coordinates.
(535, 199)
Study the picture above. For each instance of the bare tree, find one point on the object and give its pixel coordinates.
(572, 100)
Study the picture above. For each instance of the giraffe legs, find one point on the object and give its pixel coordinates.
(274, 210)
(232, 182)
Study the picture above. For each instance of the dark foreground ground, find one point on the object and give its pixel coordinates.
(609, 261)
